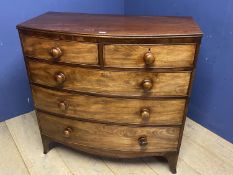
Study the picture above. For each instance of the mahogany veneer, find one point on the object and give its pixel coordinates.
(111, 85)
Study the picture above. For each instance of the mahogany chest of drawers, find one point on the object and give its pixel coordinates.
(111, 85)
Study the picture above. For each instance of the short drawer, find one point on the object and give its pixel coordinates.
(60, 50)
(118, 83)
(157, 56)
(109, 137)
(112, 110)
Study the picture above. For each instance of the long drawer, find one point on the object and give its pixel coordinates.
(123, 83)
(109, 137)
(60, 50)
(113, 110)
(158, 56)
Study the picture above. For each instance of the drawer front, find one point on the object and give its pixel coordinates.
(112, 137)
(159, 56)
(60, 50)
(132, 111)
(125, 83)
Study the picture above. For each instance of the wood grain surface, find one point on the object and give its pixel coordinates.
(166, 56)
(113, 25)
(202, 152)
(23, 130)
(109, 137)
(11, 161)
(117, 89)
(126, 83)
(72, 52)
(117, 110)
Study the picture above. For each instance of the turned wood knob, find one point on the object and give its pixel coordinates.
(62, 105)
(60, 78)
(149, 58)
(142, 141)
(67, 132)
(147, 84)
(145, 114)
(56, 52)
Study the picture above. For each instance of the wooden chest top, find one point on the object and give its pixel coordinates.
(113, 25)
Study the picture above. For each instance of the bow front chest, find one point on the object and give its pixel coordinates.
(111, 85)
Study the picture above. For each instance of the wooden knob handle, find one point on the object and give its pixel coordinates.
(149, 58)
(145, 114)
(60, 78)
(62, 106)
(142, 141)
(147, 84)
(67, 132)
(56, 52)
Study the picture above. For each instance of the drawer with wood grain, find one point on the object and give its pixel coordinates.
(60, 50)
(119, 83)
(112, 110)
(157, 56)
(109, 137)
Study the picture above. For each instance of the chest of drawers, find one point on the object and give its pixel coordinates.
(111, 85)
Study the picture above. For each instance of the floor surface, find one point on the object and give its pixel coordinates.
(21, 153)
